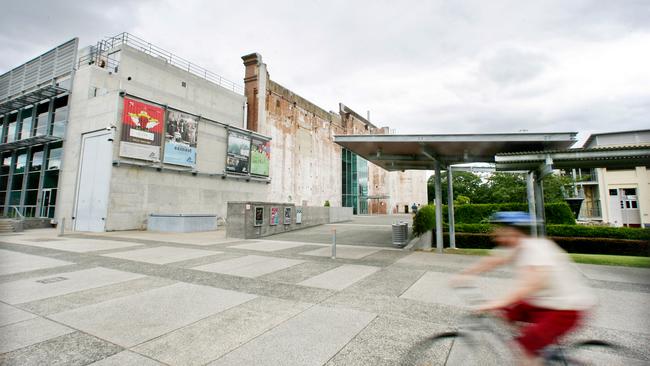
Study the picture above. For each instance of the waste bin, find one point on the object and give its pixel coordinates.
(400, 233)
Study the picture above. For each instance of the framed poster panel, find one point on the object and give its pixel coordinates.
(259, 216)
(287, 215)
(181, 134)
(298, 215)
(275, 216)
(260, 157)
(142, 127)
(239, 151)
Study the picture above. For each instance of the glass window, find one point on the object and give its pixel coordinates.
(630, 191)
(37, 159)
(32, 180)
(14, 198)
(6, 163)
(11, 128)
(60, 116)
(54, 158)
(51, 179)
(26, 123)
(613, 192)
(30, 197)
(42, 116)
(21, 161)
(17, 182)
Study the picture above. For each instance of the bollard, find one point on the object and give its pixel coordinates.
(333, 243)
(62, 226)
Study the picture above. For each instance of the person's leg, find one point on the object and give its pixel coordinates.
(549, 325)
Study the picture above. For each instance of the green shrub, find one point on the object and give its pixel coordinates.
(424, 220)
(556, 213)
(571, 231)
(327, 203)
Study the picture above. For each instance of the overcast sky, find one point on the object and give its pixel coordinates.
(419, 67)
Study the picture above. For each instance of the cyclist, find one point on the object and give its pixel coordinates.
(550, 296)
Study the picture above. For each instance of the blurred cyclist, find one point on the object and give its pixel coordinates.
(550, 295)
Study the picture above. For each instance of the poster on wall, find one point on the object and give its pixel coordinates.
(260, 157)
(239, 150)
(180, 139)
(298, 215)
(259, 216)
(142, 127)
(275, 216)
(287, 215)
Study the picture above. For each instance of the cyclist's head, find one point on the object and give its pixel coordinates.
(510, 226)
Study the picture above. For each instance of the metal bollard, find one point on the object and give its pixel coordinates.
(62, 226)
(333, 243)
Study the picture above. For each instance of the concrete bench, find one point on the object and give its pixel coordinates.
(182, 223)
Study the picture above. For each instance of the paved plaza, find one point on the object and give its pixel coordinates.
(138, 298)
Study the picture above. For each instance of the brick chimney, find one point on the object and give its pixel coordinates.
(255, 85)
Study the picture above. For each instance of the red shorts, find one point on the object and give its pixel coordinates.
(546, 325)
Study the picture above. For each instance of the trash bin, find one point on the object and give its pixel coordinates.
(400, 233)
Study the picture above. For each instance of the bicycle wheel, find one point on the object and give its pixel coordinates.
(452, 349)
(598, 353)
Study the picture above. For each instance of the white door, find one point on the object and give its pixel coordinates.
(615, 212)
(94, 180)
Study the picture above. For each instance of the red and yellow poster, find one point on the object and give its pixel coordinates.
(142, 127)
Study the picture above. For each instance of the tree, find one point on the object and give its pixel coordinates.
(506, 188)
(465, 184)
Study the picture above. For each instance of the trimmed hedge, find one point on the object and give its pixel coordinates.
(572, 231)
(424, 220)
(639, 248)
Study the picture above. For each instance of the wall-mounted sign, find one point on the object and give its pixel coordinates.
(275, 216)
(259, 216)
(142, 126)
(298, 215)
(239, 151)
(287, 215)
(260, 157)
(180, 139)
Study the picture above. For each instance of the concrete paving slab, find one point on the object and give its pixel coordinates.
(630, 314)
(268, 246)
(433, 287)
(300, 272)
(347, 252)
(310, 338)
(249, 266)
(32, 289)
(213, 337)
(131, 320)
(13, 262)
(204, 238)
(78, 245)
(162, 255)
(10, 315)
(433, 259)
(615, 274)
(126, 358)
(71, 349)
(340, 277)
(28, 332)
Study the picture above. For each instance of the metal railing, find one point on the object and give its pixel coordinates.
(14, 211)
(101, 54)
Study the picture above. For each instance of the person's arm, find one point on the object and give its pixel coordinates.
(533, 279)
(484, 265)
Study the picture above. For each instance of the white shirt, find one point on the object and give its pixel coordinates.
(565, 288)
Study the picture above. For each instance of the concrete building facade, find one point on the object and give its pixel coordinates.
(124, 130)
(618, 197)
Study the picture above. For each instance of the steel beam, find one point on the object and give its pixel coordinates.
(450, 208)
(438, 201)
(530, 190)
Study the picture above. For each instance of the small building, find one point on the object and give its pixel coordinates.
(618, 197)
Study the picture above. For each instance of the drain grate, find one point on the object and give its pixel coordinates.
(52, 280)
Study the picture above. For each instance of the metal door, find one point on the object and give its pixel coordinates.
(48, 201)
(94, 180)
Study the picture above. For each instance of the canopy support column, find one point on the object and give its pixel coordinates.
(438, 202)
(530, 191)
(539, 205)
(450, 208)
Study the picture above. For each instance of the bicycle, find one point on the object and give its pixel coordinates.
(484, 339)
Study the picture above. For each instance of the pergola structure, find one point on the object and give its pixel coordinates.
(437, 152)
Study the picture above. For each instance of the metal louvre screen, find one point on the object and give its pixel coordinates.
(57, 62)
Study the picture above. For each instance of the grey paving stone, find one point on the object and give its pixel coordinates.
(310, 338)
(390, 281)
(268, 246)
(219, 334)
(347, 252)
(78, 299)
(78, 245)
(60, 284)
(134, 319)
(126, 358)
(300, 272)
(10, 315)
(616, 274)
(629, 315)
(74, 349)
(162, 255)
(249, 266)
(393, 341)
(15, 262)
(28, 332)
(340, 277)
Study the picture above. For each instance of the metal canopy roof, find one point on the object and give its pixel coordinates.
(31, 97)
(417, 152)
(624, 157)
(36, 140)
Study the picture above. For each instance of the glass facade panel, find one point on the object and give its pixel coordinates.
(60, 116)
(11, 128)
(354, 171)
(54, 157)
(42, 117)
(37, 159)
(26, 123)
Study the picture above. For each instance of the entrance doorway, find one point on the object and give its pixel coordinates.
(624, 207)
(48, 202)
(94, 180)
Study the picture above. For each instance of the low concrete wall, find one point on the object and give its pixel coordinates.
(182, 223)
(340, 214)
(241, 221)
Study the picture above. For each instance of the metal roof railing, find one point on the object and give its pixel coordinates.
(105, 45)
